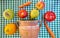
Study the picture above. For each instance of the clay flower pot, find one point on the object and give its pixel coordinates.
(29, 29)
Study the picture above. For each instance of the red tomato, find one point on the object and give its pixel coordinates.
(22, 13)
(49, 16)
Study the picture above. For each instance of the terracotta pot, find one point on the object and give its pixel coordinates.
(29, 29)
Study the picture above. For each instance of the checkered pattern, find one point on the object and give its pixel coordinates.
(51, 5)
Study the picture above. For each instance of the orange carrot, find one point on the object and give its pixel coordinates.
(49, 30)
(21, 6)
(25, 4)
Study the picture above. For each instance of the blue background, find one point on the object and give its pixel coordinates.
(50, 5)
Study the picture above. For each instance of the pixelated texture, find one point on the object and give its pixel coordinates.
(50, 5)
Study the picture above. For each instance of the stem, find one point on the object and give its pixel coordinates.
(49, 30)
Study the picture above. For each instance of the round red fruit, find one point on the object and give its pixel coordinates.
(22, 13)
(50, 16)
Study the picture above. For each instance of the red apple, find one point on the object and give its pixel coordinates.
(49, 16)
(22, 13)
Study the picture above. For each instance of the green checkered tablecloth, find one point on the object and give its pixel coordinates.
(51, 5)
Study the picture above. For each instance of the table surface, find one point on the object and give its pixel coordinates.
(50, 5)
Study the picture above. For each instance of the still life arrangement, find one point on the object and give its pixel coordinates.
(28, 28)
